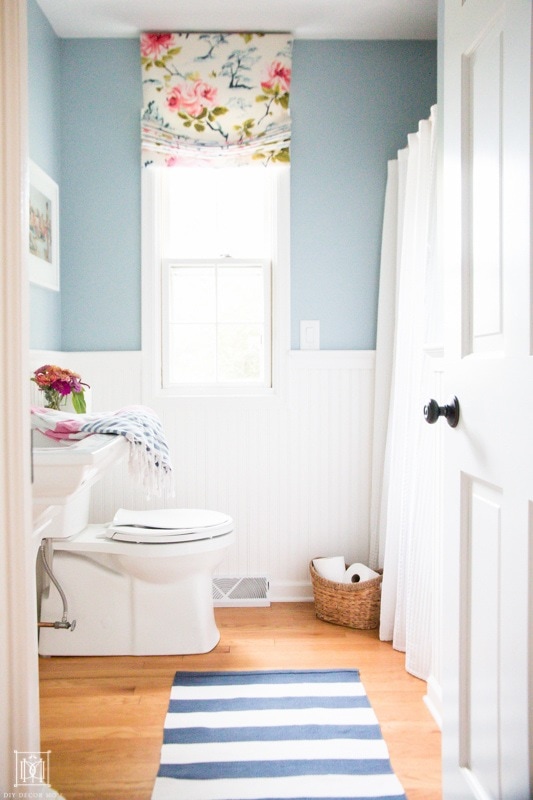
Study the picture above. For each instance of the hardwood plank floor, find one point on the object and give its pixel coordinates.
(102, 717)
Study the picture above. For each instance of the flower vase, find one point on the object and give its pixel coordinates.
(52, 399)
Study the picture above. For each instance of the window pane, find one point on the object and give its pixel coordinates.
(190, 210)
(240, 353)
(240, 294)
(192, 294)
(242, 216)
(214, 212)
(192, 357)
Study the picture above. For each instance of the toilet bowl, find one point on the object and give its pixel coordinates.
(139, 586)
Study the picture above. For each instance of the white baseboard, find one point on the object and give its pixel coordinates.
(433, 700)
(291, 592)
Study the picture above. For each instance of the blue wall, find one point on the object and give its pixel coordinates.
(44, 121)
(101, 99)
(352, 105)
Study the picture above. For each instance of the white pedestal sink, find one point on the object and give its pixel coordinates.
(63, 473)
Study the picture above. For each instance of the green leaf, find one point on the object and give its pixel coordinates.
(187, 124)
(283, 100)
(261, 98)
(159, 63)
(202, 114)
(199, 127)
(174, 51)
(78, 402)
(282, 156)
(219, 110)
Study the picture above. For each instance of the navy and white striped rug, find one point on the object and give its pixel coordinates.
(271, 735)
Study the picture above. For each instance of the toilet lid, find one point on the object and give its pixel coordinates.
(164, 526)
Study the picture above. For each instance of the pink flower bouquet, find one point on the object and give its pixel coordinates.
(57, 383)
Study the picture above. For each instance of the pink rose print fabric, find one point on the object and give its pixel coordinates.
(215, 98)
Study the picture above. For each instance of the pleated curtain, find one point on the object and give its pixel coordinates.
(402, 509)
(215, 99)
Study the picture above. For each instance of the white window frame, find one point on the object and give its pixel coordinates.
(153, 387)
(170, 263)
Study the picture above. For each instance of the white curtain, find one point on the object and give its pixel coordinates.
(402, 494)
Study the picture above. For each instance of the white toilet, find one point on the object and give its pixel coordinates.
(140, 586)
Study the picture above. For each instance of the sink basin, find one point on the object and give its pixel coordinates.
(61, 467)
(64, 471)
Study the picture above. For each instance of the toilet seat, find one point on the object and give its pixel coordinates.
(167, 526)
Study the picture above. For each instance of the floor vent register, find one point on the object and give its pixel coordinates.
(241, 592)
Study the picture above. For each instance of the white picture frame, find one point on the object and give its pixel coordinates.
(43, 233)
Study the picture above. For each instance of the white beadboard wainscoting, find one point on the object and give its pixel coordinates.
(292, 469)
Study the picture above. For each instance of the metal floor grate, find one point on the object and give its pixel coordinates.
(241, 591)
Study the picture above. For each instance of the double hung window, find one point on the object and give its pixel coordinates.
(215, 286)
(216, 277)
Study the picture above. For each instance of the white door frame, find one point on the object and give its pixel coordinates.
(18, 629)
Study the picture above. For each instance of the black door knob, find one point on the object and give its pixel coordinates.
(432, 411)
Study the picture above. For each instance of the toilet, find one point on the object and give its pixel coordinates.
(141, 585)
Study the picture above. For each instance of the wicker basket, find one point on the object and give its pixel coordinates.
(354, 605)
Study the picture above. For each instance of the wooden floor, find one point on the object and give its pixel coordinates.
(102, 717)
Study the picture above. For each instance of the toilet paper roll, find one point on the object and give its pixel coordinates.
(357, 573)
(332, 569)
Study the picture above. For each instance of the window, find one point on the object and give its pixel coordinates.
(215, 279)
(217, 320)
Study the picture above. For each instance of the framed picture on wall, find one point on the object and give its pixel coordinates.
(44, 229)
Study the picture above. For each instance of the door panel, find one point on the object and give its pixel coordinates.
(488, 470)
(482, 159)
(481, 634)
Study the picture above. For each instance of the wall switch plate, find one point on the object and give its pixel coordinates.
(309, 334)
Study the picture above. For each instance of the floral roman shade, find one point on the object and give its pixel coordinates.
(215, 99)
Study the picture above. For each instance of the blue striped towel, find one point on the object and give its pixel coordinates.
(149, 454)
(296, 735)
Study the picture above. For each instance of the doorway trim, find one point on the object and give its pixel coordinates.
(19, 680)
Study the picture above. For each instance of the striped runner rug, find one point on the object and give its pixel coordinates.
(272, 735)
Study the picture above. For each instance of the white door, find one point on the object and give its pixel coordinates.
(488, 487)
